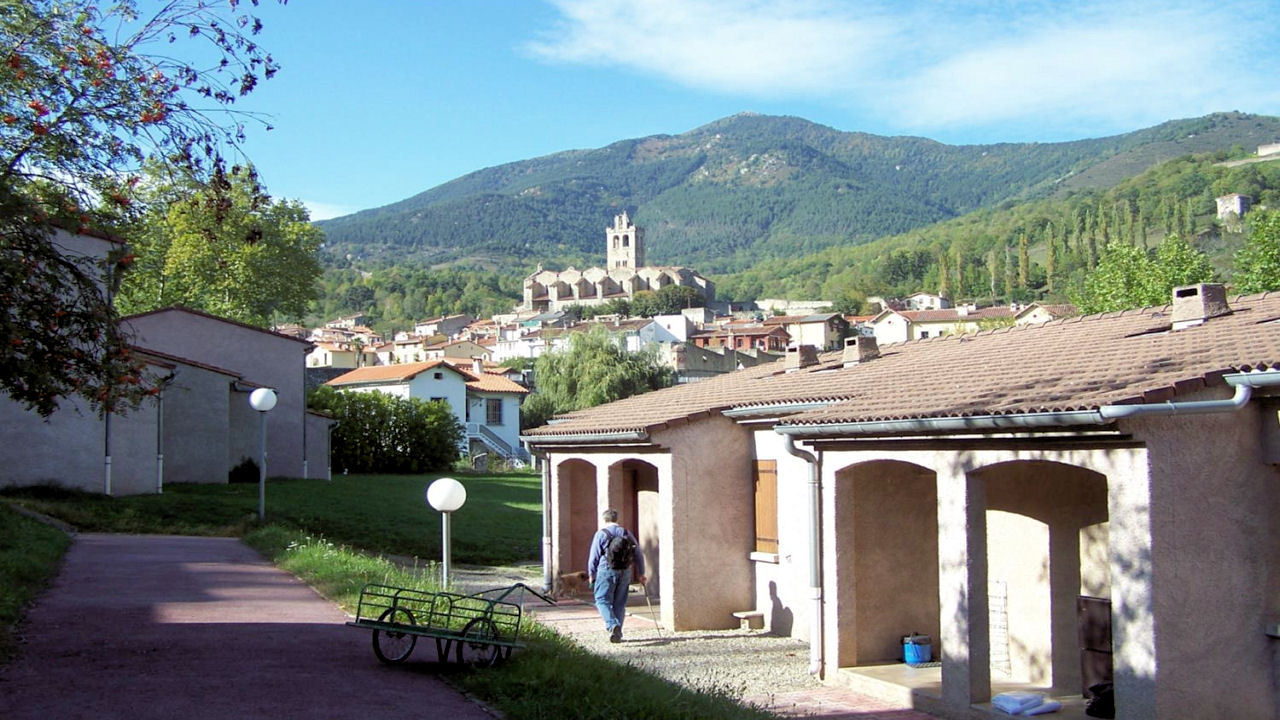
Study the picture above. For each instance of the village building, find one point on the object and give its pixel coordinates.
(486, 404)
(825, 331)
(893, 326)
(1052, 504)
(625, 273)
(197, 427)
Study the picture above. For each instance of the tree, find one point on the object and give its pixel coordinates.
(225, 248)
(594, 370)
(1258, 260)
(1128, 277)
(86, 96)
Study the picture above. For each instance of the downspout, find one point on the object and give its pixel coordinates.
(815, 559)
(161, 387)
(547, 581)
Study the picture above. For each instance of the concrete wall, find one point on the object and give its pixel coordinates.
(196, 420)
(260, 357)
(68, 448)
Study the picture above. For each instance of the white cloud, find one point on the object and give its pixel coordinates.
(948, 64)
(749, 47)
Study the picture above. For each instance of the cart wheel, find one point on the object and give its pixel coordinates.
(479, 635)
(392, 646)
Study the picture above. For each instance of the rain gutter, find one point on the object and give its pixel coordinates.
(586, 438)
(1244, 384)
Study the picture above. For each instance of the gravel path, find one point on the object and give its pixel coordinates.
(761, 669)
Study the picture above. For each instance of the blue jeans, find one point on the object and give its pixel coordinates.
(611, 595)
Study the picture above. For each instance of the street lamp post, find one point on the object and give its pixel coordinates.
(262, 400)
(446, 495)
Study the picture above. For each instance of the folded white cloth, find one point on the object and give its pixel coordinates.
(1017, 702)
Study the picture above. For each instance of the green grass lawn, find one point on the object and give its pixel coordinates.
(499, 524)
(29, 555)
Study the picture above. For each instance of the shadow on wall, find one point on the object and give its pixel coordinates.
(780, 616)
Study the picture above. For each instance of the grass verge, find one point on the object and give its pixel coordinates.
(500, 523)
(29, 555)
(550, 679)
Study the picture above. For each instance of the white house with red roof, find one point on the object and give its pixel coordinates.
(486, 404)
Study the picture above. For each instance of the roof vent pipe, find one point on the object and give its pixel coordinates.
(1193, 304)
(860, 349)
(800, 356)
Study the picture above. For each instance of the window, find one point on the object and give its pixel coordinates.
(437, 376)
(765, 473)
(493, 411)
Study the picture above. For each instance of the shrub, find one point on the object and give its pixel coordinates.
(379, 433)
(246, 471)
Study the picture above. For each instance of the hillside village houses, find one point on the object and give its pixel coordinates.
(1052, 503)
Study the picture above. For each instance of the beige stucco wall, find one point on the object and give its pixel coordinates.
(707, 571)
(1214, 513)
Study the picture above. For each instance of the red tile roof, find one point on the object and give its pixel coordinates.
(1070, 364)
(392, 373)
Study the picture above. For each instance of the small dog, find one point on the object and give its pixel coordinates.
(572, 585)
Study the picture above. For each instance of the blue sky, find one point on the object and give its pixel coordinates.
(380, 100)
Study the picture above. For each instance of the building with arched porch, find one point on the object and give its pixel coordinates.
(1084, 499)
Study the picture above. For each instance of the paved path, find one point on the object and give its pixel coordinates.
(164, 627)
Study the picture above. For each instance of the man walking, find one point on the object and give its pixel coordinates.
(614, 553)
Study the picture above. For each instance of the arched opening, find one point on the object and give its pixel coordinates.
(886, 583)
(633, 491)
(579, 514)
(1047, 573)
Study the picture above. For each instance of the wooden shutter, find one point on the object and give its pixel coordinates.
(766, 488)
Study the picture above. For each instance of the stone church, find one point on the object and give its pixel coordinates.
(624, 274)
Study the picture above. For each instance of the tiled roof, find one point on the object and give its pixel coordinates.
(1071, 364)
(391, 373)
(489, 382)
(953, 315)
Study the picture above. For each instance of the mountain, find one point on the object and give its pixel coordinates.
(747, 188)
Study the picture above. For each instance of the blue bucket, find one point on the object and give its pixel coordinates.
(916, 649)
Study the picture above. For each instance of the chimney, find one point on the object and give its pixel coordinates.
(477, 365)
(860, 349)
(1193, 304)
(800, 356)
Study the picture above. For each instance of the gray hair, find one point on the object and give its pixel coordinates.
(609, 515)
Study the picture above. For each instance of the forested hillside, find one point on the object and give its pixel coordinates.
(1036, 250)
(748, 188)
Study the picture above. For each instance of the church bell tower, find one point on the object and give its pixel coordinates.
(624, 244)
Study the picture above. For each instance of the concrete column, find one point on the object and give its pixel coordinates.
(962, 589)
(1133, 627)
(1064, 587)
